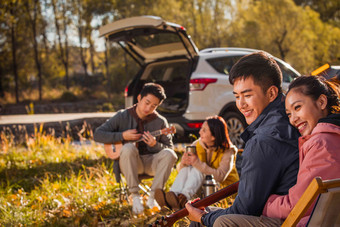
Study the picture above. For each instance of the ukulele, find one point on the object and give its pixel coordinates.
(213, 198)
(113, 150)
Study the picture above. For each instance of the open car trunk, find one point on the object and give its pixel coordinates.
(164, 51)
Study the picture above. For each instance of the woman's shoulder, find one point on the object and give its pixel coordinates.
(231, 149)
(323, 135)
(195, 142)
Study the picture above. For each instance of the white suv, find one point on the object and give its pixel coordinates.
(196, 82)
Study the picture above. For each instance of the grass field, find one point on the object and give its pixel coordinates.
(48, 181)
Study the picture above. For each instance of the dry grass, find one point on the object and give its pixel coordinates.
(48, 181)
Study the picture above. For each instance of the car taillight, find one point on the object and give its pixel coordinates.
(126, 91)
(200, 84)
(195, 125)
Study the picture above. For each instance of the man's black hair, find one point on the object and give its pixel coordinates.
(261, 66)
(154, 89)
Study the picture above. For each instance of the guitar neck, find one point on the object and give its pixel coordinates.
(154, 133)
(211, 199)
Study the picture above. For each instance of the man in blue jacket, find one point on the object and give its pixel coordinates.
(270, 157)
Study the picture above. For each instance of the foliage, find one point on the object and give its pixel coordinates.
(107, 107)
(328, 9)
(30, 108)
(51, 181)
(68, 96)
(290, 32)
(46, 42)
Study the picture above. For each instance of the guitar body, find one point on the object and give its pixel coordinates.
(115, 153)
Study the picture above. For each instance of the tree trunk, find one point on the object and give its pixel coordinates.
(66, 57)
(14, 60)
(2, 93)
(33, 22)
(80, 37)
(63, 54)
(107, 70)
(92, 53)
(279, 41)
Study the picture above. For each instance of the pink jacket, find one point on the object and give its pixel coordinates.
(319, 155)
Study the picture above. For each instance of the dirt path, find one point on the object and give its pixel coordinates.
(44, 118)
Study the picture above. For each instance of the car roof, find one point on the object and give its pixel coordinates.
(237, 51)
(228, 49)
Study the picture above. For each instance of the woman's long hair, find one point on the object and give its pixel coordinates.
(219, 130)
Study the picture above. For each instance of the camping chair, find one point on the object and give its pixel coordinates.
(123, 184)
(123, 189)
(327, 207)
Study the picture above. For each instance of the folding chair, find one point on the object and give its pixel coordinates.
(123, 184)
(327, 207)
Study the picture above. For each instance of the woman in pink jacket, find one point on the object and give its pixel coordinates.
(312, 106)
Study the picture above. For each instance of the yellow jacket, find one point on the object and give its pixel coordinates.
(221, 164)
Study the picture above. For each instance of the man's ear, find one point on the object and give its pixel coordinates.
(139, 97)
(322, 101)
(272, 93)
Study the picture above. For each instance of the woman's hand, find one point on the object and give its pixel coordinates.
(185, 160)
(191, 159)
(188, 158)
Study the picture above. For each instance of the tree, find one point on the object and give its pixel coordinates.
(207, 21)
(285, 30)
(34, 17)
(80, 9)
(61, 22)
(12, 10)
(329, 10)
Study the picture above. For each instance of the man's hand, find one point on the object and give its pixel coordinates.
(195, 214)
(131, 135)
(149, 139)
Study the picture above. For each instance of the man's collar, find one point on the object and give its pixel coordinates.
(148, 118)
(254, 125)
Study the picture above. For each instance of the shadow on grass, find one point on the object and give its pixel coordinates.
(30, 178)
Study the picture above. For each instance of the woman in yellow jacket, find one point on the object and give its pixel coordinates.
(215, 155)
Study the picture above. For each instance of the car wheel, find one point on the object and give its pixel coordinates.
(236, 125)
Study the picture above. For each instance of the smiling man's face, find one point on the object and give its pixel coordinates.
(250, 98)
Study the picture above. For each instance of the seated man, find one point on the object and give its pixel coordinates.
(151, 156)
(270, 157)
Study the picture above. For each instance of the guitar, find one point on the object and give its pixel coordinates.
(213, 198)
(113, 150)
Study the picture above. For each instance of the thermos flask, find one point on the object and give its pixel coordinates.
(209, 185)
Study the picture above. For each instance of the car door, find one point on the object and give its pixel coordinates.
(165, 52)
(150, 38)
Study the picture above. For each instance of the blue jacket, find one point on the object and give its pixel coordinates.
(270, 162)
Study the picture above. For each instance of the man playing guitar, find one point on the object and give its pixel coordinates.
(151, 155)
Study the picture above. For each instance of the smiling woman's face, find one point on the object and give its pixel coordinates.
(206, 135)
(304, 112)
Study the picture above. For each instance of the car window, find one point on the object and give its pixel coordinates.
(287, 74)
(150, 40)
(223, 64)
(176, 71)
